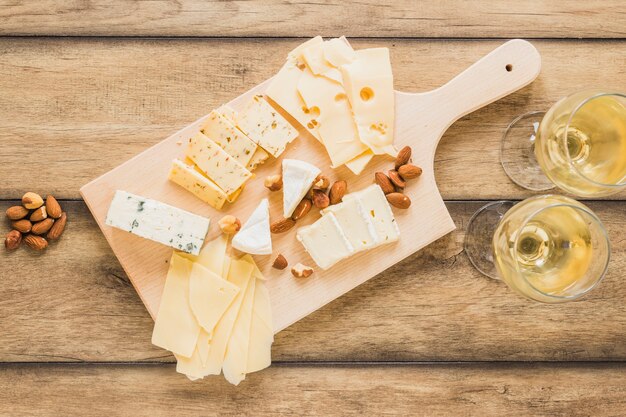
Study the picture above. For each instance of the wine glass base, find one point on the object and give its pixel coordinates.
(517, 153)
(479, 236)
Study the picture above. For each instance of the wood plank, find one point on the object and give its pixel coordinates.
(79, 107)
(368, 18)
(74, 303)
(329, 390)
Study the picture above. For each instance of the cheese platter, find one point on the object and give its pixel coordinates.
(282, 135)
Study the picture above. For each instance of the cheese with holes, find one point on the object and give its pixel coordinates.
(254, 236)
(176, 328)
(355, 223)
(377, 207)
(157, 221)
(232, 140)
(197, 184)
(298, 177)
(217, 164)
(266, 127)
(325, 241)
(368, 81)
(358, 164)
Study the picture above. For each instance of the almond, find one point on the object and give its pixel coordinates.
(16, 212)
(281, 226)
(403, 157)
(337, 191)
(399, 200)
(274, 182)
(42, 227)
(301, 271)
(408, 171)
(53, 207)
(229, 224)
(57, 228)
(321, 182)
(280, 262)
(384, 182)
(23, 226)
(302, 209)
(32, 201)
(13, 240)
(36, 242)
(320, 199)
(396, 179)
(39, 214)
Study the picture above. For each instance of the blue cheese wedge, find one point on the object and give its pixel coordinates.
(217, 164)
(298, 177)
(254, 236)
(355, 223)
(325, 241)
(158, 221)
(376, 206)
(234, 142)
(265, 126)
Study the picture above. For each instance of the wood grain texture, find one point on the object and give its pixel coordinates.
(367, 18)
(74, 303)
(431, 390)
(94, 103)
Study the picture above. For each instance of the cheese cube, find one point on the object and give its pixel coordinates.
(191, 180)
(377, 207)
(325, 241)
(355, 223)
(234, 142)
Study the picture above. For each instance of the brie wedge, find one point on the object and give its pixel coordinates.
(254, 236)
(298, 177)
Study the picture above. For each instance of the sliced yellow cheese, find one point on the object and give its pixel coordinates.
(358, 164)
(296, 53)
(210, 296)
(314, 58)
(216, 164)
(197, 184)
(338, 52)
(232, 140)
(176, 328)
(261, 330)
(194, 367)
(368, 81)
(266, 127)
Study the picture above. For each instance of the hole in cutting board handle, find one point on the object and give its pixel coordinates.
(509, 67)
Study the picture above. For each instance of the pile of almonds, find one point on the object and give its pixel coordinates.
(32, 220)
(394, 182)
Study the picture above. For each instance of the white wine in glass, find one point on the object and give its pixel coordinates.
(579, 145)
(547, 248)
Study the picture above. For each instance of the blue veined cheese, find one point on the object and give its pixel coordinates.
(234, 142)
(325, 241)
(158, 221)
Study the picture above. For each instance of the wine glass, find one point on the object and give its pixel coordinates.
(547, 248)
(578, 145)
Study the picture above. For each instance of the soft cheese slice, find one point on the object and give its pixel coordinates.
(314, 58)
(210, 296)
(376, 205)
(298, 177)
(334, 123)
(338, 52)
(368, 80)
(358, 164)
(325, 241)
(236, 358)
(157, 221)
(217, 164)
(195, 366)
(356, 224)
(228, 137)
(197, 184)
(254, 236)
(266, 127)
(261, 330)
(176, 328)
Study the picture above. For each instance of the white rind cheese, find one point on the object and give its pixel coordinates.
(325, 241)
(355, 223)
(377, 207)
(158, 221)
(298, 177)
(254, 236)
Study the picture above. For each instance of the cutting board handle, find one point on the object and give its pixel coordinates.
(506, 69)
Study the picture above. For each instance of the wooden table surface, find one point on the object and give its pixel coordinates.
(85, 85)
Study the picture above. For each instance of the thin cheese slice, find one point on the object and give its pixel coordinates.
(232, 140)
(314, 58)
(195, 366)
(197, 184)
(261, 330)
(358, 164)
(355, 223)
(266, 127)
(216, 164)
(176, 328)
(376, 205)
(325, 241)
(236, 358)
(368, 81)
(298, 177)
(210, 296)
(338, 52)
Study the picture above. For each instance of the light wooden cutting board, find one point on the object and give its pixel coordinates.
(421, 120)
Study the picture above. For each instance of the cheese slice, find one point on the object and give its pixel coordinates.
(254, 236)
(232, 140)
(195, 366)
(217, 164)
(314, 58)
(358, 164)
(157, 221)
(259, 157)
(368, 81)
(376, 205)
(325, 241)
(261, 330)
(236, 358)
(334, 124)
(298, 177)
(266, 127)
(355, 223)
(210, 296)
(197, 184)
(338, 52)
(176, 328)
(229, 113)
(296, 53)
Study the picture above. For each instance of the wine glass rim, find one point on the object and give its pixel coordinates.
(587, 211)
(564, 138)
